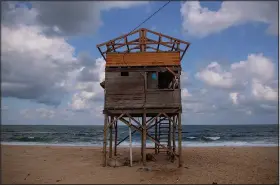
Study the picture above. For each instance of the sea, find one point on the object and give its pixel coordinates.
(193, 135)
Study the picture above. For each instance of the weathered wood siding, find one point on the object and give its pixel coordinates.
(129, 92)
(163, 98)
(124, 91)
(143, 59)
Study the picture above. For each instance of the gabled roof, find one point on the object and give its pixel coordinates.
(143, 40)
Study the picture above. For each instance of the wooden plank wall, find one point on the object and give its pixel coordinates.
(143, 59)
(129, 92)
(163, 98)
(124, 91)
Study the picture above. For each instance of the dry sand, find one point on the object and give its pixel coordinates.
(82, 165)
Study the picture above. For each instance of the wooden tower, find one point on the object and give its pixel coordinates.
(142, 90)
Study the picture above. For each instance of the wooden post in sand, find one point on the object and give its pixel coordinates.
(169, 136)
(130, 143)
(105, 140)
(179, 140)
(173, 134)
(156, 136)
(144, 138)
(116, 138)
(111, 139)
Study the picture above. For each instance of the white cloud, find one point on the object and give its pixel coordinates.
(240, 74)
(201, 21)
(256, 66)
(264, 92)
(250, 84)
(185, 93)
(89, 92)
(213, 75)
(107, 5)
(35, 66)
(234, 97)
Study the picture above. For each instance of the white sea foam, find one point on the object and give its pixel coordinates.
(213, 138)
(150, 144)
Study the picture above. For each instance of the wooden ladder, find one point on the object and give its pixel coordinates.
(164, 135)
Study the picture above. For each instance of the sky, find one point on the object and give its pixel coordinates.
(51, 68)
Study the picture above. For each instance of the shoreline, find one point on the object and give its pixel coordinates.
(83, 165)
(184, 144)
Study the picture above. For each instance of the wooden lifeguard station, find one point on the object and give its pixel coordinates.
(142, 90)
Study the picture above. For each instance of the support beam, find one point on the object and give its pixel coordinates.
(173, 136)
(151, 138)
(168, 117)
(105, 141)
(111, 140)
(149, 124)
(130, 144)
(125, 138)
(179, 140)
(169, 136)
(115, 119)
(144, 137)
(156, 136)
(130, 117)
(116, 137)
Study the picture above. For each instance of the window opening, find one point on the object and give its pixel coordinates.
(162, 80)
(124, 74)
(152, 80)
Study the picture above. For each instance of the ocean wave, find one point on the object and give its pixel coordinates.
(203, 138)
(191, 137)
(30, 139)
(213, 138)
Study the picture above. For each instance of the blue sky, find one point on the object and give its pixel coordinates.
(51, 67)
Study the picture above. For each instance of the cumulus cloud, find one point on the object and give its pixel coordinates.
(215, 76)
(63, 18)
(34, 66)
(200, 21)
(42, 67)
(89, 94)
(264, 92)
(239, 74)
(249, 84)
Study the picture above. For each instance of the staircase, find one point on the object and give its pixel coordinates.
(164, 135)
(163, 131)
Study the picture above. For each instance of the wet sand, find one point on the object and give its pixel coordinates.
(82, 165)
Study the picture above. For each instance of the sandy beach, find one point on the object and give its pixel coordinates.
(82, 165)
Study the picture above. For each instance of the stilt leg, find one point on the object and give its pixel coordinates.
(111, 139)
(179, 140)
(116, 138)
(105, 140)
(173, 135)
(144, 138)
(156, 136)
